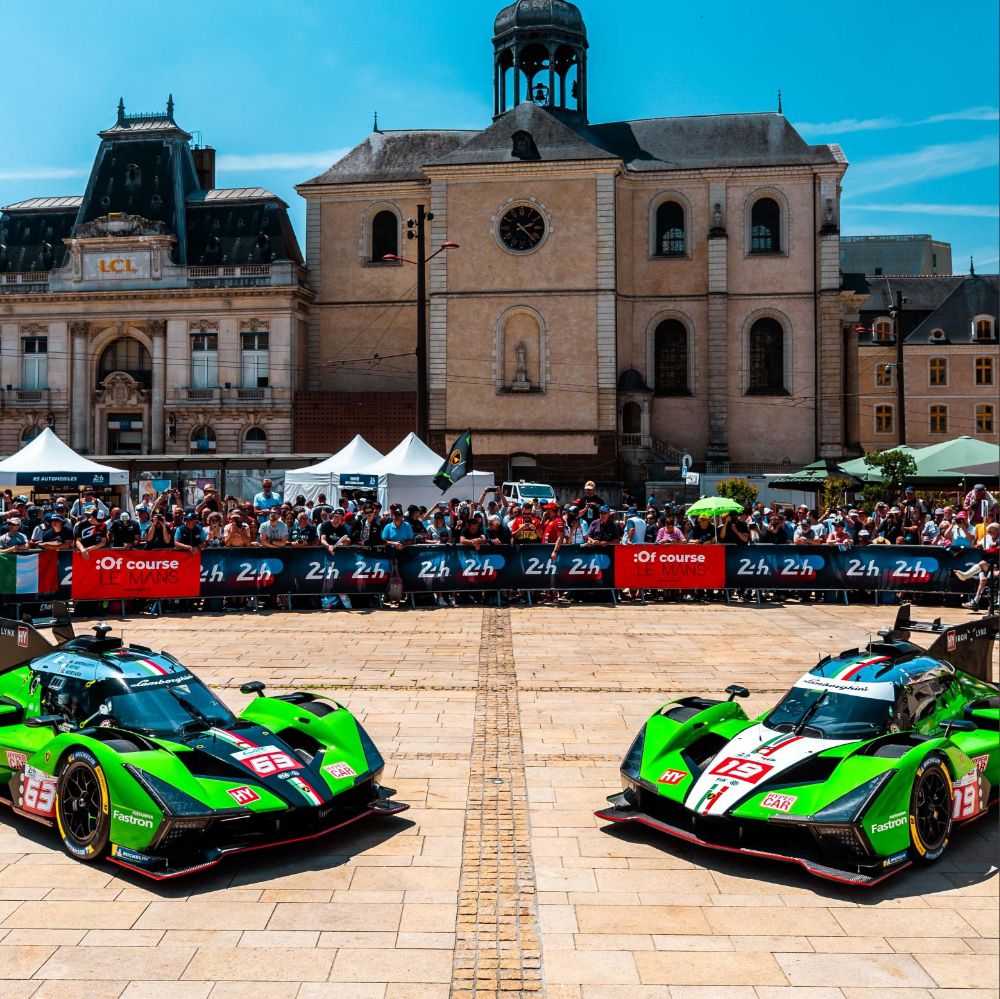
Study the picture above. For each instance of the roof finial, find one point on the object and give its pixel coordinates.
(779, 101)
(121, 110)
(972, 267)
(375, 125)
(170, 106)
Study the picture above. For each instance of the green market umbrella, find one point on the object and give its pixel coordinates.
(812, 477)
(939, 461)
(713, 506)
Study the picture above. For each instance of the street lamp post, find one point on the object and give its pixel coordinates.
(416, 229)
(900, 395)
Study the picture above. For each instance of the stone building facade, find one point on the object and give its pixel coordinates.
(154, 313)
(622, 292)
(951, 354)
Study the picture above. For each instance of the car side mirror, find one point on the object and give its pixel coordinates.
(253, 687)
(43, 721)
(735, 690)
(958, 725)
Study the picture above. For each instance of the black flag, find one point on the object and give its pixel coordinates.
(457, 464)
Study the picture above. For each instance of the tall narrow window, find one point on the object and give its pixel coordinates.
(765, 226)
(984, 418)
(203, 439)
(631, 418)
(984, 370)
(883, 419)
(35, 362)
(938, 371)
(939, 419)
(385, 235)
(883, 375)
(766, 356)
(670, 230)
(882, 329)
(670, 358)
(255, 357)
(204, 359)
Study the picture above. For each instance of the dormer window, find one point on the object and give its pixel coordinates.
(882, 328)
(982, 327)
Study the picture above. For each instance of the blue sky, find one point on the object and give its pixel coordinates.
(282, 88)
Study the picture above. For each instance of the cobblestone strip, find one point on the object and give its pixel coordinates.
(498, 949)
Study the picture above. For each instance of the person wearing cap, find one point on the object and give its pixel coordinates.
(635, 528)
(437, 526)
(589, 504)
(210, 501)
(980, 505)
(397, 534)
(553, 527)
(13, 539)
(237, 533)
(92, 532)
(891, 526)
(864, 538)
(839, 535)
(273, 533)
(524, 527)
(190, 536)
(79, 507)
(266, 499)
(416, 524)
(604, 530)
(334, 533)
(366, 530)
(56, 536)
(142, 521)
(959, 535)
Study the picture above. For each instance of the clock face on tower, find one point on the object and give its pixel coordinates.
(521, 228)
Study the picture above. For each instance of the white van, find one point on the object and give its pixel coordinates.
(518, 492)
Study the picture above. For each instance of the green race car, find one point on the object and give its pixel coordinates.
(864, 767)
(129, 755)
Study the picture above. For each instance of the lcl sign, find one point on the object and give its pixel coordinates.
(117, 265)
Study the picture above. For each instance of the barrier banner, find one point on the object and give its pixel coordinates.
(30, 572)
(666, 567)
(828, 567)
(117, 574)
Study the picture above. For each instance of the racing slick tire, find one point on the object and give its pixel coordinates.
(83, 806)
(930, 813)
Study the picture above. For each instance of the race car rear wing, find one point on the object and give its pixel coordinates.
(21, 641)
(968, 646)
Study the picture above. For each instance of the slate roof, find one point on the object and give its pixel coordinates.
(948, 302)
(392, 156)
(235, 194)
(32, 239)
(737, 140)
(45, 204)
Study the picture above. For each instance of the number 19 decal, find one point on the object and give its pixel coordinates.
(744, 770)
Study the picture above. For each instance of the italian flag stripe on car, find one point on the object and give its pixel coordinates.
(152, 667)
(232, 738)
(306, 790)
(859, 666)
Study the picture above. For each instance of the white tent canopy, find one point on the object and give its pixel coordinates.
(47, 463)
(406, 475)
(325, 476)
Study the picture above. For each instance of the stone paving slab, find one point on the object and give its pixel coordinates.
(546, 699)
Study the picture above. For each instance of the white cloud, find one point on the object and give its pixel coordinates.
(927, 163)
(966, 114)
(810, 128)
(926, 208)
(44, 173)
(240, 162)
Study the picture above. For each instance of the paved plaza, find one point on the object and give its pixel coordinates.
(503, 728)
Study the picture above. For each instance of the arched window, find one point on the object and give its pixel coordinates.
(128, 355)
(670, 358)
(255, 441)
(765, 226)
(983, 327)
(631, 418)
(385, 235)
(30, 433)
(766, 358)
(670, 230)
(202, 439)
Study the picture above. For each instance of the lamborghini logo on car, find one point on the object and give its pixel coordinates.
(455, 457)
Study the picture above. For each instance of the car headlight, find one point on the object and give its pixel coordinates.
(632, 764)
(852, 805)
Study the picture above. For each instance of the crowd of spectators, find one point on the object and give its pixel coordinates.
(268, 520)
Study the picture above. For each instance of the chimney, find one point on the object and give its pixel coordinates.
(204, 165)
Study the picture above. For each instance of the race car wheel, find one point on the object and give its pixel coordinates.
(83, 806)
(930, 810)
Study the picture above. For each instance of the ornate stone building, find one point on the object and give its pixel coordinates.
(156, 313)
(622, 292)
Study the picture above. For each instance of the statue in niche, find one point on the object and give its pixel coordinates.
(521, 383)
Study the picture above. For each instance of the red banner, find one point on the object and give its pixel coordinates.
(665, 567)
(127, 575)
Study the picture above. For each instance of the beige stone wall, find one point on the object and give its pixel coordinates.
(961, 395)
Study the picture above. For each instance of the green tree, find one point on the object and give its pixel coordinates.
(740, 490)
(832, 493)
(896, 467)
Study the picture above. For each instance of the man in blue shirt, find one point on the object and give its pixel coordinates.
(265, 499)
(397, 533)
(13, 540)
(190, 536)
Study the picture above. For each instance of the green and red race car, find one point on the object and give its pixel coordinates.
(131, 756)
(864, 767)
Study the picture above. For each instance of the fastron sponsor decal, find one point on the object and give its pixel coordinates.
(778, 802)
(131, 818)
(672, 777)
(893, 822)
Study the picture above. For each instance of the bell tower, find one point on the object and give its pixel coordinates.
(540, 55)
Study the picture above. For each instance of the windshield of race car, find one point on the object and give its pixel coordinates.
(166, 706)
(827, 714)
